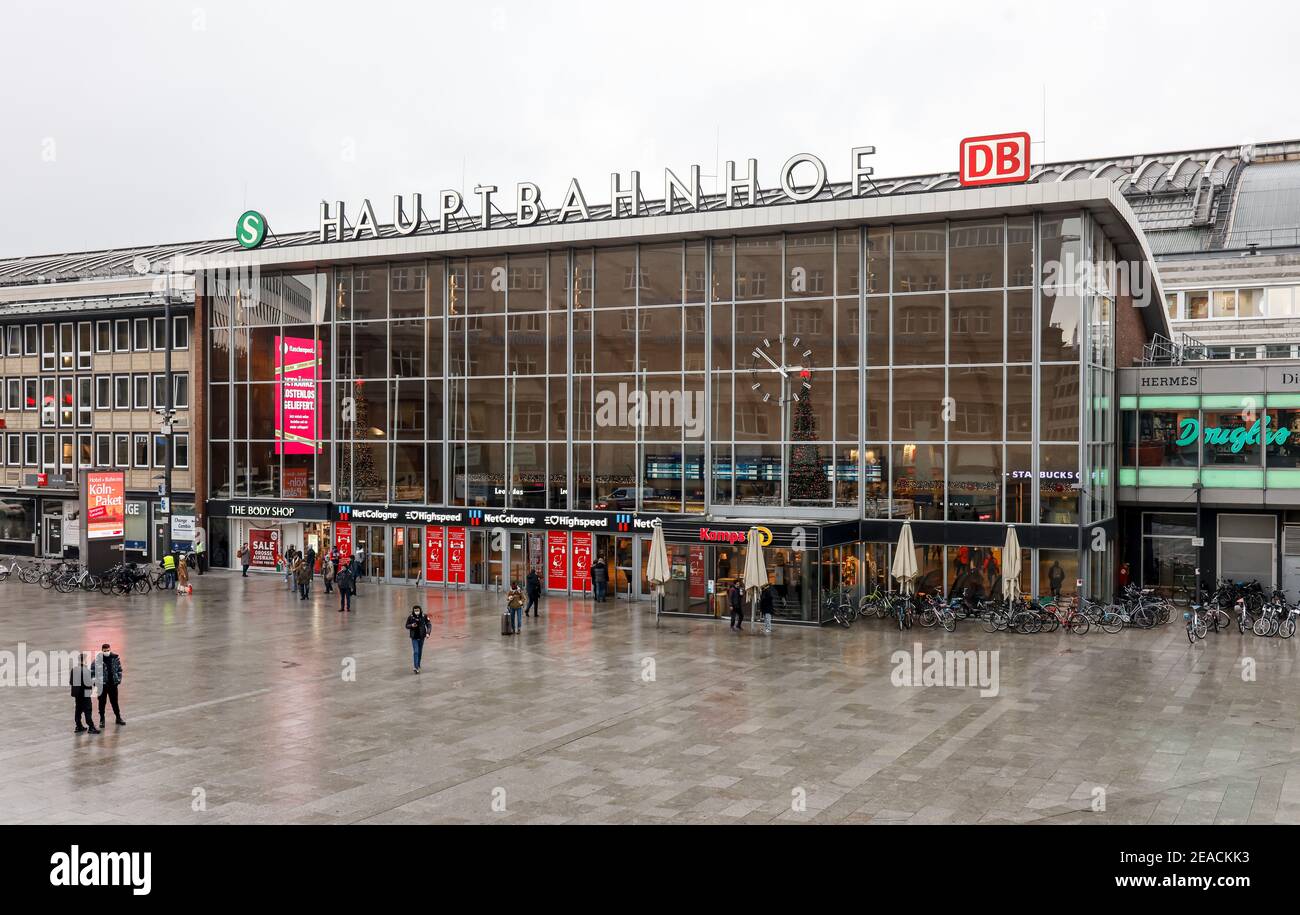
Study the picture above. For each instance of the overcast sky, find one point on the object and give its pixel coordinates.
(136, 123)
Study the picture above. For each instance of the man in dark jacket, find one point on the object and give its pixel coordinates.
(534, 589)
(599, 580)
(106, 670)
(82, 683)
(736, 600)
(344, 580)
(310, 560)
(418, 627)
(765, 608)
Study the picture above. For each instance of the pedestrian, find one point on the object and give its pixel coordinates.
(765, 608)
(290, 555)
(599, 580)
(183, 574)
(736, 600)
(169, 570)
(200, 549)
(534, 588)
(327, 574)
(515, 604)
(344, 580)
(302, 575)
(81, 682)
(1124, 575)
(418, 626)
(358, 566)
(106, 670)
(310, 560)
(245, 558)
(1055, 578)
(334, 555)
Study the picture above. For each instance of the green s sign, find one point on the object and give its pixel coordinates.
(250, 229)
(1236, 439)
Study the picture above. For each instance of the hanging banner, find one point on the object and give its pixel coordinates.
(265, 545)
(581, 560)
(105, 505)
(557, 560)
(697, 573)
(297, 394)
(343, 539)
(456, 555)
(433, 537)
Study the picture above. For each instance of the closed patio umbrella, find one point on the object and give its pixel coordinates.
(657, 572)
(755, 569)
(904, 568)
(1011, 564)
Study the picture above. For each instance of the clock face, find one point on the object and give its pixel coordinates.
(781, 371)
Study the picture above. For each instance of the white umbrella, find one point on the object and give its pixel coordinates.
(657, 572)
(755, 569)
(904, 568)
(1011, 564)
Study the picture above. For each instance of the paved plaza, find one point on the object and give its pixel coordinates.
(242, 707)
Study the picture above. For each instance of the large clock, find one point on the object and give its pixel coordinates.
(781, 371)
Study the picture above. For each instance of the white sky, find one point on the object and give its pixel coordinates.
(135, 123)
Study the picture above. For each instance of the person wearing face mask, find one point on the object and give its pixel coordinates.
(418, 627)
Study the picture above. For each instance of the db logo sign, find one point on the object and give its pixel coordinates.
(998, 159)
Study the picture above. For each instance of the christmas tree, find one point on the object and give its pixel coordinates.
(808, 481)
(357, 476)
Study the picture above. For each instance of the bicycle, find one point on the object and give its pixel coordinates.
(1196, 627)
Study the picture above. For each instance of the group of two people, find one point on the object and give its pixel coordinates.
(104, 674)
(736, 601)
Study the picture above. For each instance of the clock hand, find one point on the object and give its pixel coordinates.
(771, 363)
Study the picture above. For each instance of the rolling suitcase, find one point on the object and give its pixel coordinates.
(507, 624)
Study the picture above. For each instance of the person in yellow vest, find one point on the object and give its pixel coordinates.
(169, 570)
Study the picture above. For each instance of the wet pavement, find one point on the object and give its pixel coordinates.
(245, 704)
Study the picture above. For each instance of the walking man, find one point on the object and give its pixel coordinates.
(302, 575)
(200, 549)
(418, 626)
(736, 599)
(534, 588)
(245, 558)
(106, 670)
(344, 581)
(80, 681)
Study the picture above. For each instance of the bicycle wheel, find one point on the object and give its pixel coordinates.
(64, 584)
(993, 621)
(927, 618)
(47, 580)
(1049, 623)
(29, 574)
(1079, 624)
(949, 622)
(1111, 622)
(142, 586)
(1286, 628)
(1200, 628)
(1261, 627)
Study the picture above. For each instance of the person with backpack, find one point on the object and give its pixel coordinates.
(344, 580)
(418, 627)
(245, 558)
(736, 600)
(765, 608)
(515, 604)
(533, 586)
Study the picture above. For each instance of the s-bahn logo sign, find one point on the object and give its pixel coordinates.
(801, 178)
(250, 229)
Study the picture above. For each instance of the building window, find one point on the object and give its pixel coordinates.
(14, 449)
(103, 450)
(122, 451)
(159, 451)
(49, 451)
(103, 392)
(141, 392)
(159, 333)
(181, 329)
(85, 333)
(103, 336)
(142, 450)
(182, 461)
(49, 346)
(67, 452)
(159, 391)
(14, 387)
(49, 402)
(30, 450)
(85, 406)
(122, 335)
(121, 392)
(67, 347)
(31, 340)
(30, 392)
(141, 335)
(181, 391)
(67, 402)
(84, 456)
(15, 340)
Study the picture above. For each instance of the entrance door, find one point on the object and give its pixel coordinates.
(477, 558)
(518, 559)
(53, 536)
(377, 552)
(619, 552)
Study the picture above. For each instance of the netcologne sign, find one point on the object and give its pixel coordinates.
(801, 178)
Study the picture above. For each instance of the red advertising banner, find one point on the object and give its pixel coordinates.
(433, 540)
(297, 394)
(696, 571)
(343, 539)
(297, 483)
(105, 505)
(456, 555)
(557, 560)
(581, 560)
(265, 545)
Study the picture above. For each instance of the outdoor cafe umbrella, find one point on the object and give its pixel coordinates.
(755, 569)
(904, 568)
(657, 572)
(1011, 564)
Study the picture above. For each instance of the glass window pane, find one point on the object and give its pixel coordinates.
(918, 482)
(919, 258)
(976, 254)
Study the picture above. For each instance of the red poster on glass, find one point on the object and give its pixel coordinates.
(581, 560)
(557, 560)
(265, 545)
(456, 555)
(433, 538)
(343, 539)
(696, 571)
(297, 392)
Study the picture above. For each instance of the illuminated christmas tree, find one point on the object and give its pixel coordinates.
(808, 481)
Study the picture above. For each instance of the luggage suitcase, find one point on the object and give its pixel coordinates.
(507, 624)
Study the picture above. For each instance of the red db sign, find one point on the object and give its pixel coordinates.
(998, 159)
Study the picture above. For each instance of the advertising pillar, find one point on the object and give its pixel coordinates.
(103, 513)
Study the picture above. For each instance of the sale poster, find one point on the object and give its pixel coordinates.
(343, 539)
(456, 555)
(297, 390)
(105, 505)
(265, 545)
(433, 542)
(557, 560)
(581, 560)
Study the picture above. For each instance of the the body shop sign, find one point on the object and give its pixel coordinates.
(297, 390)
(105, 505)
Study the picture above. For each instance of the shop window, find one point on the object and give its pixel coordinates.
(18, 520)
(1058, 573)
(1231, 436)
(918, 482)
(1058, 484)
(1158, 435)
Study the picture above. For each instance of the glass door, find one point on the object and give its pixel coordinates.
(496, 573)
(477, 560)
(622, 577)
(377, 552)
(414, 555)
(398, 539)
(518, 559)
